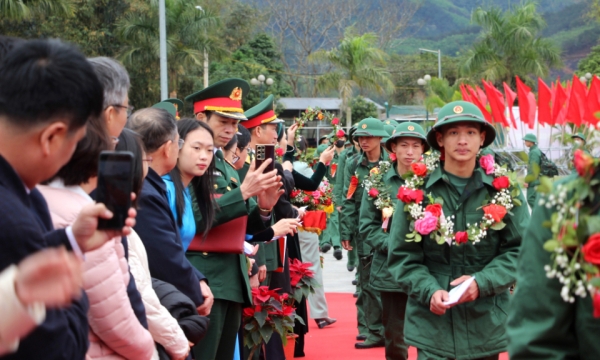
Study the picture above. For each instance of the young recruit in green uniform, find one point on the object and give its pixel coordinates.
(474, 327)
(220, 106)
(368, 134)
(408, 143)
(533, 167)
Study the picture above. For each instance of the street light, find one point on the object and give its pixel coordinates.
(260, 81)
(205, 52)
(162, 31)
(423, 82)
(439, 52)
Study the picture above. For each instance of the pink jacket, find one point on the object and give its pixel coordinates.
(115, 332)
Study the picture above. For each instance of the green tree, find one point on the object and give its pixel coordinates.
(362, 109)
(27, 9)
(357, 65)
(439, 93)
(590, 63)
(509, 45)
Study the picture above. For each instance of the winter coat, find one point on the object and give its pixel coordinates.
(164, 328)
(474, 329)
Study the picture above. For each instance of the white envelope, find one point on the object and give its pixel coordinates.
(456, 293)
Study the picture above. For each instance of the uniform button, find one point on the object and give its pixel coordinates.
(216, 186)
(204, 253)
(228, 188)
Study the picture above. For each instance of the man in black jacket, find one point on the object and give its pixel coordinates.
(47, 93)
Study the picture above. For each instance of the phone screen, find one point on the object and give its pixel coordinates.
(115, 183)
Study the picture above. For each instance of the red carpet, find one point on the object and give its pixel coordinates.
(337, 341)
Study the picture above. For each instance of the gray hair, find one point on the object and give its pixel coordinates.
(114, 79)
(155, 126)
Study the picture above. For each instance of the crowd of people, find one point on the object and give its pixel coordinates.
(419, 214)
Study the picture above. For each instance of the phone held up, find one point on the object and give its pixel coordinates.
(264, 152)
(115, 184)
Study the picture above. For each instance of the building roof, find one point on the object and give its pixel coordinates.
(301, 103)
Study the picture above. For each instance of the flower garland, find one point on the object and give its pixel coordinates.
(575, 226)
(378, 191)
(320, 199)
(317, 114)
(431, 220)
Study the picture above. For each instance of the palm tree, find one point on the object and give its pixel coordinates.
(358, 64)
(25, 9)
(509, 45)
(439, 93)
(188, 34)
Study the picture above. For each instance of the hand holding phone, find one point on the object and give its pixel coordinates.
(115, 184)
(264, 152)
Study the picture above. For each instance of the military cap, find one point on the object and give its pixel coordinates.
(178, 105)
(578, 135)
(320, 150)
(261, 114)
(351, 134)
(171, 109)
(457, 112)
(389, 128)
(370, 127)
(223, 97)
(324, 137)
(407, 129)
(530, 137)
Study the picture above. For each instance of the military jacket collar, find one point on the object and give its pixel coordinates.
(392, 173)
(364, 161)
(476, 182)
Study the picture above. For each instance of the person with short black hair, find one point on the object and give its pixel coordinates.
(48, 91)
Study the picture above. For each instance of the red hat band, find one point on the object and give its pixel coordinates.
(218, 104)
(260, 119)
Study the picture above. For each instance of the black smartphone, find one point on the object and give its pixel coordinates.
(115, 183)
(264, 152)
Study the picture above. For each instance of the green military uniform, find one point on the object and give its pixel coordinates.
(331, 234)
(227, 273)
(541, 325)
(474, 329)
(535, 161)
(339, 196)
(368, 299)
(393, 300)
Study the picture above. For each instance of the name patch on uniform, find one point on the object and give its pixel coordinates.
(217, 173)
(234, 179)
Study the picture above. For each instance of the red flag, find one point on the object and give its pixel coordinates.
(510, 100)
(497, 104)
(465, 93)
(526, 103)
(481, 95)
(475, 100)
(593, 101)
(559, 110)
(544, 98)
(577, 102)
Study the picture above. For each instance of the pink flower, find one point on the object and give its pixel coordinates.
(340, 133)
(316, 194)
(392, 157)
(427, 224)
(335, 121)
(487, 163)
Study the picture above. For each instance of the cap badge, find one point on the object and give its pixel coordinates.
(411, 128)
(458, 109)
(236, 94)
(364, 126)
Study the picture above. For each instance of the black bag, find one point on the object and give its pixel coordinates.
(502, 159)
(547, 167)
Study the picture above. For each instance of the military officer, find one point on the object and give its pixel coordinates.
(369, 133)
(472, 328)
(408, 143)
(220, 106)
(533, 167)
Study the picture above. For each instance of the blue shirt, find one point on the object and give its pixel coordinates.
(187, 230)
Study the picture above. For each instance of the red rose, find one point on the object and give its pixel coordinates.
(419, 169)
(306, 199)
(597, 305)
(501, 182)
(373, 192)
(335, 121)
(406, 195)
(591, 249)
(496, 212)
(295, 193)
(279, 151)
(340, 133)
(392, 157)
(434, 209)
(461, 237)
(583, 163)
(327, 202)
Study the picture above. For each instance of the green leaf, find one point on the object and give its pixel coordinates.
(550, 245)
(517, 202)
(417, 237)
(410, 236)
(547, 224)
(261, 317)
(595, 282)
(530, 178)
(255, 337)
(515, 192)
(593, 224)
(498, 226)
(266, 332)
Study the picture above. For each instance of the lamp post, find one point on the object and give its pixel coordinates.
(162, 30)
(205, 52)
(260, 81)
(423, 82)
(439, 53)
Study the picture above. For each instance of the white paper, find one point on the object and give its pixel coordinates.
(248, 248)
(455, 294)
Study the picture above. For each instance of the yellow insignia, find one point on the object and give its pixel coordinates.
(387, 122)
(458, 109)
(411, 128)
(234, 180)
(236, 94)
(228, 188)
(216, 186)
(364, 126)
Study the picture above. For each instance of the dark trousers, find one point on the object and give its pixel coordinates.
(219, 342)
(426, 355)
(393, 309)
(531, 196)
(369, 300)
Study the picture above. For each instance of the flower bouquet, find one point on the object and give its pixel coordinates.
(270, 313)
(317, 114)
(378, 192)
(301, 279)
(318, 205)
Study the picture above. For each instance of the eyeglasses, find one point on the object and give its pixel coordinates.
(234, 159)
(128, 107)
(148, 160)
(180, 143)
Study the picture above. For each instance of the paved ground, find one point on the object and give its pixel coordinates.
(336, 276)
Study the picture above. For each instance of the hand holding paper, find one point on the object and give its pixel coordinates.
(467, 290)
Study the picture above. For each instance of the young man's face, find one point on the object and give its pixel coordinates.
(407, 150)
(578, 142)
(369, 143)
(461, 141)
(528, 143)
(223, 128)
